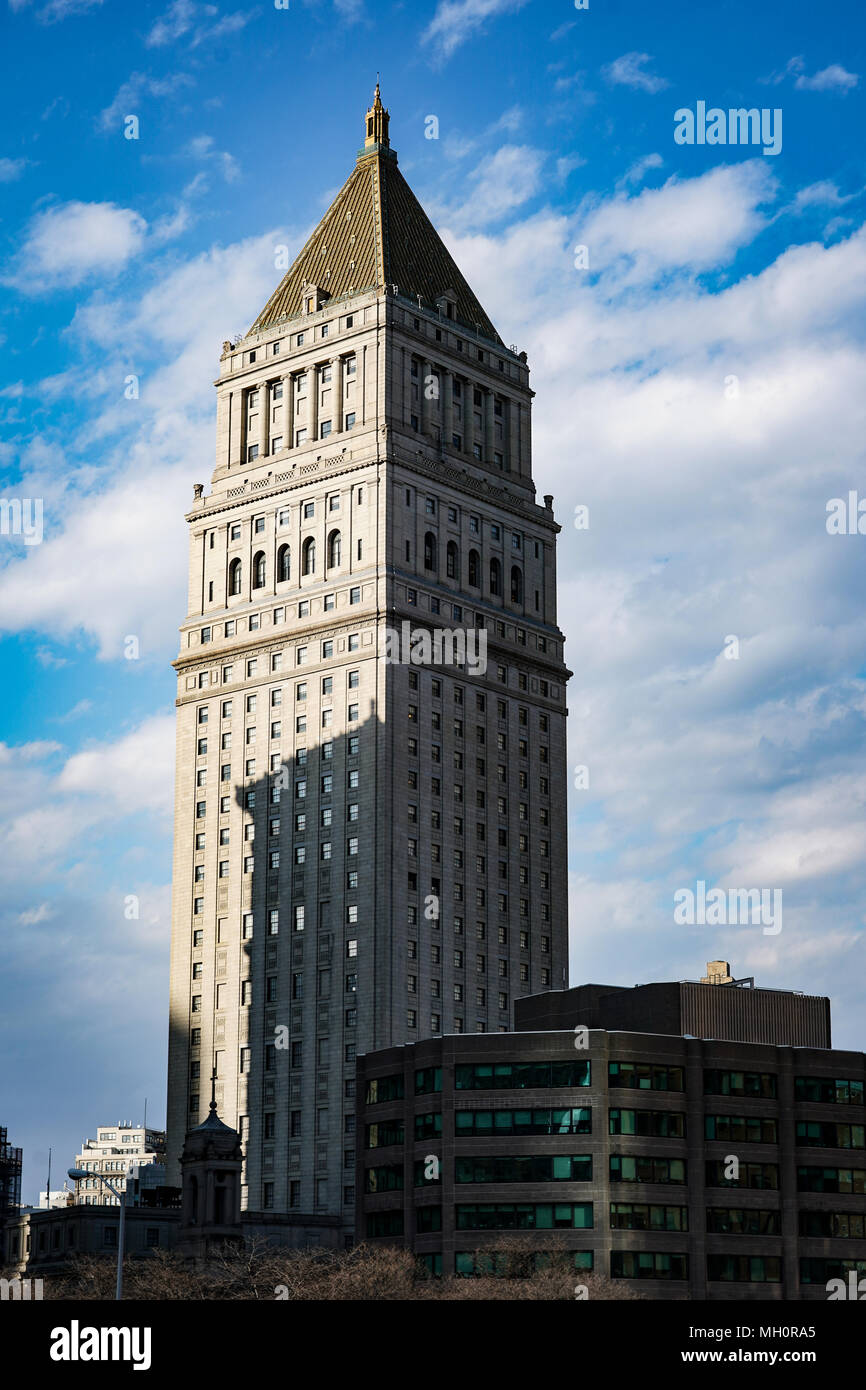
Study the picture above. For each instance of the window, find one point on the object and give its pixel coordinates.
(335, 549)
(647, 1264)
(826, 1090)
(309, 556)
(284, 564)
(235, 577)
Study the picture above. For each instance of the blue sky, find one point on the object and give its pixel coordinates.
(700, 389)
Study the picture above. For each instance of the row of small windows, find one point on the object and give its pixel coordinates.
(626, 1264)
(324, 331)
(627, 1168)
(507, 1264)
(567, 1120)
(302, 436)
(283, 517)
(353, 681)
(643, 1076)
(453, 568)
(284, 562)
(211, 632)
(628, 1216)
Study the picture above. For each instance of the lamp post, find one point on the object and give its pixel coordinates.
(77, 1174)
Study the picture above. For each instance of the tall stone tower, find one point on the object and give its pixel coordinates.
(367, 852)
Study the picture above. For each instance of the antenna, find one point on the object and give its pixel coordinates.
(49, 1179)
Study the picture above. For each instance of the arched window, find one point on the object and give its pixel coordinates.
(452, 561)
(430, 562)
(259, 570)
(284, 564)
(235, 577)
(475, 569)
(495, 579)
(516, 584)
(335, 549)
(309, 556)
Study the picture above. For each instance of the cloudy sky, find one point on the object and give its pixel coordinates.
(694, 319)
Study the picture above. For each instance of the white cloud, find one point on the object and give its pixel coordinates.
(834, 78)
(32, 916)
(500, 183)
(825, 194)
(139, 86)
(132, 774)
(630, 71)
(195, 23)
(203, 147)
(58, 809)
(127, 515)
(56, 10)
(635, 173)
(567, 164)
(455, 21)
(707, 518)
(687, 225)
(67, 244)
(12, 169)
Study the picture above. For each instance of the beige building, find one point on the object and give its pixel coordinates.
(371, 764)
(119, 1151)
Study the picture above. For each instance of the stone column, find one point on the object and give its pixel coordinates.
(236, 428)
(289, 410)
(514, 437)
(264, 412)
(447, 408)
(406, 413)
(426, 373)
(313, 398)
(337, 390)
(489, 430)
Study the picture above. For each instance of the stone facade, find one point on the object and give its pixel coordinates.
(366, 852)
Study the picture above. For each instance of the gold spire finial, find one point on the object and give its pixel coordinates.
(378, 120)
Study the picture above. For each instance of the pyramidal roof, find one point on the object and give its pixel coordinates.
(376, 234)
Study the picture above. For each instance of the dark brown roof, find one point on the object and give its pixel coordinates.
(376, 233)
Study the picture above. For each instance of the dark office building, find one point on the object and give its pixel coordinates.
(685, 1008)
(696, 1167)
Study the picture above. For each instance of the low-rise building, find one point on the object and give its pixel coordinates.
(43, 1242)
(693, 1167)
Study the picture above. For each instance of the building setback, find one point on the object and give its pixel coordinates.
(621, 1150)
(367, 851)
